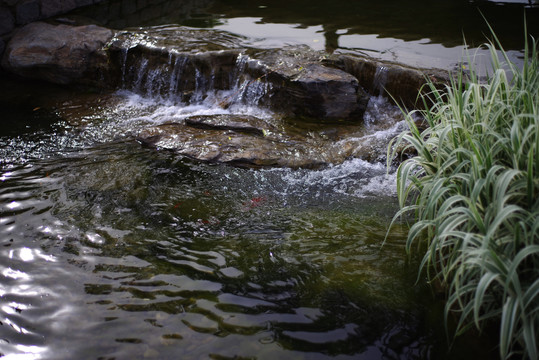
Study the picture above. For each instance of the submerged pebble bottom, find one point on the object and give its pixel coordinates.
(112, 250)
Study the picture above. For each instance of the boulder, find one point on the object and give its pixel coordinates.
(397, 81)
(60, 54)
(302, 87)
(27, 11)
(51, 8)
(151, 70)
(247, 141)
(7, 22)
(292, 80)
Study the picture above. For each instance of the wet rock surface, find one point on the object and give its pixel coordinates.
(247, 141)
(245, 124)
(302, 86)
(292, 80)
(234, 140)
(59, 54)
(398, 81)
(175, 64)
(317, 102)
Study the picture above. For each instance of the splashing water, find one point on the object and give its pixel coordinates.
(110, 249)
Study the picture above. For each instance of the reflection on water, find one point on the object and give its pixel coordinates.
(140, 253)
(112, 250)
(416, 32)
(117, 251)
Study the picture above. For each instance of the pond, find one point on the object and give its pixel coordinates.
(112, 250)
(420, 33)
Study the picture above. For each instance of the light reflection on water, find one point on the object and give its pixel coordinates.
(416, 32)
(109, 249)
(137, 253)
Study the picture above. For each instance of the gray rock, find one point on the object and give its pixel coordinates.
(233, 140)
(187, 60)
(245, 124)
(10, 2)
(303, 87)
(27, 11)
(51, 8)
(291, 80)
(60, 54)
(393, 80)
(80, 3)
(7, 22)
(323, 93)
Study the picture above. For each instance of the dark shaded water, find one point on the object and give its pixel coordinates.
(117, 251)
(421, 33)
(112, 250)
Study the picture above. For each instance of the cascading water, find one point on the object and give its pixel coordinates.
(189, 78)
(380, 80)
(113, 250)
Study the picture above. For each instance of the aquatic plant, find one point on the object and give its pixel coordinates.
(473, 191)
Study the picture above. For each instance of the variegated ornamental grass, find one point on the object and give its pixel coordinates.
(473, 190)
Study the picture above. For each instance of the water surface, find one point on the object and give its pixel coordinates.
(110, 250)
(113, 250)
(420, 33)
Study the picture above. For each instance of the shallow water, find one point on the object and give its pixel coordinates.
(113, 250)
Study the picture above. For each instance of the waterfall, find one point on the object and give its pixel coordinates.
(380, 80)
(181, 77)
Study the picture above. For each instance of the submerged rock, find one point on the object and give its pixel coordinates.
(60, 54)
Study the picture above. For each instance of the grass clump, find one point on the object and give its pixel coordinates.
(473, 190)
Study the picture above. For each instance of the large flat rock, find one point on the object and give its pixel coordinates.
(238, 145)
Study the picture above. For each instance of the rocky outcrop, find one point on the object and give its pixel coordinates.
(245, 124)
(292, 81)
(7, 20)
(16, 13)
(327, 95)
(187, 63)
(303, 87)
(25, 11)
(247, 141)
(60, 54)
(296, 81)
(401, 83)
(184, 65)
